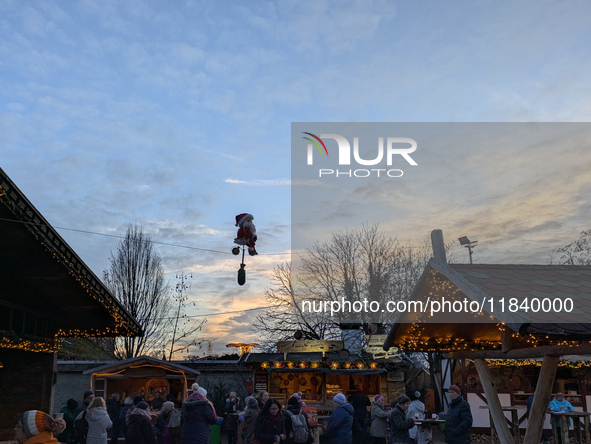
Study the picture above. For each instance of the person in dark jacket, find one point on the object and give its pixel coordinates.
(233, 405)
(68, 412)
(139, 425)
(114, 410)
(163, 435)
(340, 422)
(269, 427)
(250, 416)
(400, 424)
(360, 402)
(198, 414)
(294, 408)
(86, 399)
(459, 418)
(262, 397)
(127, 406)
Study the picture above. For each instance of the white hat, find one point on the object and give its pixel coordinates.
(340, 398)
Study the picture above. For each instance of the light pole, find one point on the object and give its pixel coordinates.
(465, 242)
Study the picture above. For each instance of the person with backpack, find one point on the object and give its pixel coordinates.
(296, 423)
(340, 422)
(378, 431)
(37, 427)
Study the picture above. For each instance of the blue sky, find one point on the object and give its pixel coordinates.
(176, 115)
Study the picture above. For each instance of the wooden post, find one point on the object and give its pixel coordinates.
(542, 394)
(494, 404)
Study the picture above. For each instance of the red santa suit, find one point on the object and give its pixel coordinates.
(247, 232)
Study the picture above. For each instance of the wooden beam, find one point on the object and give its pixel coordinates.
(494, 405)
(542, 394)
(523, 353)
(507, 339)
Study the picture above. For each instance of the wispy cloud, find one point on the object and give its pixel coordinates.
(261, 182)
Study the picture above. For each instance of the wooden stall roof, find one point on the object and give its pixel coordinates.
(142, 361)
(483, 283)
(42, 276)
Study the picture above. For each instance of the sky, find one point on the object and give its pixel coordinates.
(177, 116)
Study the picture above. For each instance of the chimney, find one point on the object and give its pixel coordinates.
(438, 246)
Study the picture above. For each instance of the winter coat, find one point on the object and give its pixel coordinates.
(123, 416)
(416, 407)
(360, 402)
(232, 408)
(379, 421)
(114, 410)
(265, 430)
(42, 438)
(81, 407)
(250, 418)
(400, 425)
(139, 428)
(555, 406)
(69, 430)
(163, 432)
(458, 422)
(196, 418)
(98, 423)
(295, 410)
(340, 425)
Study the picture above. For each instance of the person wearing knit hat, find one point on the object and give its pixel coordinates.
(139, 428)
(379, 421)
(249, 418)
(37, 427)
(198, 414)
(458, 422)
(415, 410)
(68, 412)
(86, 400)
(340, 422)
(163, 435)
(247, 233)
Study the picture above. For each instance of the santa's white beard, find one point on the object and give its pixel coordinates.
(251, 227)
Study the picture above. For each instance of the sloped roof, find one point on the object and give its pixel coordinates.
(486, 283)
(142, 361)
(43, 277)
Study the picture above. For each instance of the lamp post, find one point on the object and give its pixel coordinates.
(465, 242)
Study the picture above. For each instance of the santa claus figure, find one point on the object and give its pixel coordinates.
(247, 232)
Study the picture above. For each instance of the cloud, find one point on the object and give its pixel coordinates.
(260, 182)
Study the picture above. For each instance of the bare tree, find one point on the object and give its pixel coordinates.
(136, 278)
(359, 264)
(577, 252)
(183, 330)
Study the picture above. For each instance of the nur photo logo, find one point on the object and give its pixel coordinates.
(395, 146)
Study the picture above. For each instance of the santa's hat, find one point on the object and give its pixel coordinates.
(243, 217)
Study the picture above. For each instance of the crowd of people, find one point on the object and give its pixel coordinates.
(259, 418)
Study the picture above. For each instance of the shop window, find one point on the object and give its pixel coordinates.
(100, 388)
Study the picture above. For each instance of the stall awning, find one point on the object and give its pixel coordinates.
(327, 371)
